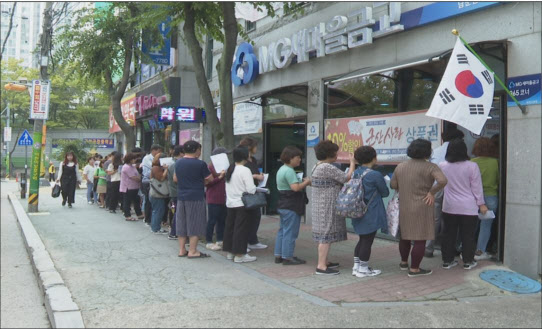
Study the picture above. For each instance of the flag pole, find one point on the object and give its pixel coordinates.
(521, 107)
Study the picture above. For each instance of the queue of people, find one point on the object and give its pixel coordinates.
(442, 193)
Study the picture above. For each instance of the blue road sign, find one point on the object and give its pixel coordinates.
(25, 139)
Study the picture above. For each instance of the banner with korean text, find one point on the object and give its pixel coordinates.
(388, 134)
(128, 108)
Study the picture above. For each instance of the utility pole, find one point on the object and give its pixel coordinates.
(7, 146)
(39, 124)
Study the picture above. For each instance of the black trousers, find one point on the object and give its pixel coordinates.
(466, 225)
(68, 189)
(131, 196)
(236, 231)
(114, 195)
(364, 246)
(254, 222)
(145, 187)
(108, 192)
(51, 177)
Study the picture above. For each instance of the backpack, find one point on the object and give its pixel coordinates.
(350, 202)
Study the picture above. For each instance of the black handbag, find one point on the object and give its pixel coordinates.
(56, 191)
(254, 201)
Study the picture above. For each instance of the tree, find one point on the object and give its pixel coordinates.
(218, 20)
(102, 43)
(77, 146)
(9, 29)
(19, 101)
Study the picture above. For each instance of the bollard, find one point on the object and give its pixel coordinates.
(23, 185)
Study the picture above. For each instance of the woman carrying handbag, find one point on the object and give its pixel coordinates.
(158, 192)
(238, 181)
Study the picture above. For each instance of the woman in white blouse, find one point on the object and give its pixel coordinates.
(68, 176)
(238, 181)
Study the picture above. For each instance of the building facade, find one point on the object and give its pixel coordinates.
(360, 73)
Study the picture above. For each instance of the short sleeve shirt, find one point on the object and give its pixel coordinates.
(101, 176)
(89, 172)
(191, 174)
(285, 177)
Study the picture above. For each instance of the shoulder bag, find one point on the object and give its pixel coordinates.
(159, 189)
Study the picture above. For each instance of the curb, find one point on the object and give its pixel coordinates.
(62, 311)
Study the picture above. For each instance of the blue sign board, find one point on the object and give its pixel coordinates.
(159, 55)
(25, 139)
(525, 88)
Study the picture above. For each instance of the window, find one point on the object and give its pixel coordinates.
(403, 90)
(284, 103)
(250, 26)
(209, 59)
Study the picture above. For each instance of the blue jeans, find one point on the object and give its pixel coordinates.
(158, 208)
(217, 216)
(492, 203)
(90, 186)
(287, 234)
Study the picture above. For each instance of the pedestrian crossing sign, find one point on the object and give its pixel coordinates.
(25, 139)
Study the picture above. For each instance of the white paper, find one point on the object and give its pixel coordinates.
(263, 190)
(300, 176)
(220, 162)
(489, 215)
(264, 182)
(387, 178)
(166, 161)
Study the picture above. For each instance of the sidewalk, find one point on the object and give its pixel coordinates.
(21, 300)
(122, 275)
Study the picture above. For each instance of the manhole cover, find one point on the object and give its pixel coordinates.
(511, 281)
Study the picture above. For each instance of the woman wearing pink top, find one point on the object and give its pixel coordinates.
(130, 181)
(463, 199)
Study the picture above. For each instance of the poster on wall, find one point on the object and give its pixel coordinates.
(186, 135)
(128, 108)
(525, 88)
(389, 134)
(313, 134)
(247, 118)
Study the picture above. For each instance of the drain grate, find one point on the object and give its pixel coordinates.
(511, 281)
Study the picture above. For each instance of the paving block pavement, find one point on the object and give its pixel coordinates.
(122, 275)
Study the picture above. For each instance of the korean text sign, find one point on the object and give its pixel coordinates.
(388, 134)
(39, 108)
(525, 88)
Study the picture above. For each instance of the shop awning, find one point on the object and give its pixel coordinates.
(434, 57)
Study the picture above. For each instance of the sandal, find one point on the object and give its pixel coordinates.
(183, 255)
(201, 255)
(140, 217)
(130, 219)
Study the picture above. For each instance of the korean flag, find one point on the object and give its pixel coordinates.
(465, 93)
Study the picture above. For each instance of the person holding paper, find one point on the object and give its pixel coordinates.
(327, 181)
(238, 181)
(463, 199)
(130, 181)
(484, 150)
(291, 206)
(191, 175)
(255, 214)
(216, 205)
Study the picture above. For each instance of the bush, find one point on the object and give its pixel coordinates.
(78, 147)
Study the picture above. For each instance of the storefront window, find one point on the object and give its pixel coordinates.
(285, 103)
(403, 90)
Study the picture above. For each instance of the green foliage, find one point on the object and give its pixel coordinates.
(19, 101)
(78, 147)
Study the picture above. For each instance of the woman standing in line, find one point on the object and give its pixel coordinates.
(291, 206)
(216, 205)
(88, 176)
(375, 189)
(158, 202)
(256, 214)
(68, 176)
(327, 181)
(484, 150)
(239, 180)
(101, 183)
(130, 181)
(414, 179)
(463, 199)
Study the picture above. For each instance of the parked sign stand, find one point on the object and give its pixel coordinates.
(25, 140)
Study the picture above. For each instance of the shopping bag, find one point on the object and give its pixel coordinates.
(56, 191)
(392, 214)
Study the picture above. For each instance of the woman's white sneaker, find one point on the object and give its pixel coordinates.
(245, 259)
(368, 272)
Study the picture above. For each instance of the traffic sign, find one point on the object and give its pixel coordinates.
(25, 139)
(39, 106)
